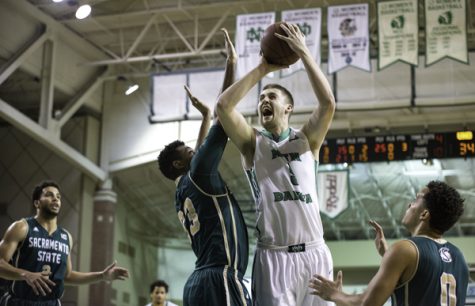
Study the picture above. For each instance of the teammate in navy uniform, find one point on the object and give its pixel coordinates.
(208, 211)
(424, 270)
(39, 251)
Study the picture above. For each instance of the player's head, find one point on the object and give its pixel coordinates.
(46, 197)
(275, 105)
(438, 204)
(444, 204)
(158, 292)
(175, 159)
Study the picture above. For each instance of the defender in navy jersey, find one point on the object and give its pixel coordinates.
(424, 270)
(39, 251)
(208, 211)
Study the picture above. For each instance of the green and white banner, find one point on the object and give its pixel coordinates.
(348, 37)
(249, 31)
(332, 192)
(310, 23)
(446, 30)
(398, 32)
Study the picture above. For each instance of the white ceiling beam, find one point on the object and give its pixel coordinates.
(55, 31)
(176, 9)
(22, 54)
(213, 31)
(78, 100)
(178, 32)
(76, 41)
(196, 32)
(134, 161)
(47, 85)
(157, 57)
(139, 38)
(110, 33)
(51, 140)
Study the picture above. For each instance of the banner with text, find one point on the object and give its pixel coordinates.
(398, 32)
(310, 23)
(249, 31)
(446, 30)
(333, 192)
(348, 37)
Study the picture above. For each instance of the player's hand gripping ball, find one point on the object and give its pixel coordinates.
(277, 51)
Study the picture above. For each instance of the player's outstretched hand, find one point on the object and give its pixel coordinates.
(379, 241)
(113, 272)
(295, 38)
(39, 282)
(230, 50)
(200, 106)
(325, 288)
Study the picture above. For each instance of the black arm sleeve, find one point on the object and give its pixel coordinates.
(205, 162)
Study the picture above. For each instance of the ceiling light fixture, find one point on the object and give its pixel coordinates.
(56, 1)
(131, 86)
(83, 11)
(131, 89)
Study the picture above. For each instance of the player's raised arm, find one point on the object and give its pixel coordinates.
(319, 122)
(380, 240)
(231, 60)
(230, 69)
(206, 119)
(234, 123)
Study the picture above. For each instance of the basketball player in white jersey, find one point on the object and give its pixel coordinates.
(281, 165)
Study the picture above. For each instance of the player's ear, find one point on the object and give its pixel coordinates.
(289, 108)
(36, 203)
(425, 214)
(178, 164)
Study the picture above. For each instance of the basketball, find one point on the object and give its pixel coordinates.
(277, 51)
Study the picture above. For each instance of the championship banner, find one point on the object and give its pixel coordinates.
(348, 37)
(446, 30)
(333, 192)
(249, 31)
(398, 32)
(310, 23)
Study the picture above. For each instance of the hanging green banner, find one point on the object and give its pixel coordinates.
(446, 30)
(398, 32)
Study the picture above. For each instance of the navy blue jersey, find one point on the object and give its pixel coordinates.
(209, 212)
(441, 277)
(41, 252)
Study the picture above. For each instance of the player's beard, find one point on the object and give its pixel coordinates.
(49, 214)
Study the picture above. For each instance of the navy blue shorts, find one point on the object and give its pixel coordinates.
(8, 300)
(215, 286)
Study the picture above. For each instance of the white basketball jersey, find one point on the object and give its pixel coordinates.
(283, 182)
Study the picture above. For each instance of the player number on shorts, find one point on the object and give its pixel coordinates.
(448, 295)
(191, 215)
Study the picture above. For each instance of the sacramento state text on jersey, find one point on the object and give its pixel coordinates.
(46, 247)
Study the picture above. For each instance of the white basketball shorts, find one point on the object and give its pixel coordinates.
(281, 275)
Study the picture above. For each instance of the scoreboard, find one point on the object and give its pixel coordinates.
(397, 147)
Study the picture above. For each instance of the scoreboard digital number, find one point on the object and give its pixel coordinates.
(397, 147)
